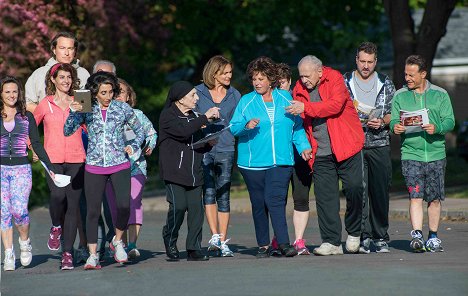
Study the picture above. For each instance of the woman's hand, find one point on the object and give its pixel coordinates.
(148, 151)
(252, 123)
(75, 106)
(129, 150)
(212, 114)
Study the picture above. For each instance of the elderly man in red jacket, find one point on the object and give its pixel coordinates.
(337, 138)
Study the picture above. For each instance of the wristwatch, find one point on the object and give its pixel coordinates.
(382, 125)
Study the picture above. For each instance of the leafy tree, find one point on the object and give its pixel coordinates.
(407, 41)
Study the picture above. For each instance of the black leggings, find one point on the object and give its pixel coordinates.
(94, 190)
(64, 201)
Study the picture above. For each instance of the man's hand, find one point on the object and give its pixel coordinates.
(307, 154)
(429, 128)
(375, 123)
(252, 123)
(399, 129)
(295, 108)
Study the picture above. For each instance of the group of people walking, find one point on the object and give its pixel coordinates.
(328, 128)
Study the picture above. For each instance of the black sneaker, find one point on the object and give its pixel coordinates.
(364, 248)
(287, 250)
(196, 255)
(263, 252)
(417, 243)
(434, 245)
(381, 246)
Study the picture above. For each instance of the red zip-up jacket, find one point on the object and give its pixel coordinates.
(344, 127)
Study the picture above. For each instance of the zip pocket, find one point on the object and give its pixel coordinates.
(181, 157)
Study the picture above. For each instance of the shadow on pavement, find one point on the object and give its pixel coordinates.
(402, 245)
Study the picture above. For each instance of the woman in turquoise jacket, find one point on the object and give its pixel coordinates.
(266, 133)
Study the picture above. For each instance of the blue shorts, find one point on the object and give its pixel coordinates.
(425, 179)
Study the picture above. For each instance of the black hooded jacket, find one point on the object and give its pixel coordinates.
(179, 161)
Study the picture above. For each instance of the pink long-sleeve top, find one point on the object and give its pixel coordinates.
(60, 148)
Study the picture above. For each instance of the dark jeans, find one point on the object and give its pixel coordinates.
(217, 170)
(268, 190)
(326, 175)
(377, 179)
(64, 201)
(183, 199)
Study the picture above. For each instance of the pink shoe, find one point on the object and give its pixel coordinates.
(274, 243)
(54, 238)
(300, 247)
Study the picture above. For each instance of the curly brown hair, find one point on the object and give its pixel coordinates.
(50, 86)
(267, 67)
(20, 103)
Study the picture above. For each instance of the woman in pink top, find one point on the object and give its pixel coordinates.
(66, 153)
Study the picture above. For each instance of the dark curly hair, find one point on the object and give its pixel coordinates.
(20, 103)
(97, 79)
(50, 86)
(267, 67)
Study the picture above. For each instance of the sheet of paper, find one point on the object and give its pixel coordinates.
(413, 120)
(211, 136)
(59, 180)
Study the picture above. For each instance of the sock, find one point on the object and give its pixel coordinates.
(432, 234)
(131, 246)
(60, 226)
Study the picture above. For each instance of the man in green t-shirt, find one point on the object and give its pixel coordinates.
(423, 156)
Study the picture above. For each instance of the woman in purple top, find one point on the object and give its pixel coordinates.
(16, 126)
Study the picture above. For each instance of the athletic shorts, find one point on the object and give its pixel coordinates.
(424, 179)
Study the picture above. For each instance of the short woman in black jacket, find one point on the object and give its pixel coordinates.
(180, 167)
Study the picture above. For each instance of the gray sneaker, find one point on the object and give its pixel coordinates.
(365, 246)
(9, 261)
(225, 251)
(92, 262)
(381, 246)
(81, 254)
(119, 251)
(25, 248)
(327, 249)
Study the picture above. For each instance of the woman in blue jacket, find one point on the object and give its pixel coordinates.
(265, 152)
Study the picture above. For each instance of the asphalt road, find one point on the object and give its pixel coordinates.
(398, 273)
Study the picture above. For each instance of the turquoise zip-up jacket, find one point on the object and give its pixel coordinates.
(267, 144)
(137, 159)
(421, 146)
(106, 142)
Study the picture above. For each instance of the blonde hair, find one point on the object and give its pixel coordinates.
(213, 66)
(131, 93)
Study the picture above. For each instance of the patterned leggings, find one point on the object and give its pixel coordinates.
(16, 187)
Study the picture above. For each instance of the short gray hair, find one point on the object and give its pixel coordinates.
(310, 59)
(104, 62)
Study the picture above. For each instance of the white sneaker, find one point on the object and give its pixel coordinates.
(214, 243)
(119, 251)
(92, 262)
(327, 249)
(225, 251)
(352, 244)
(9, 261)
(26, 255)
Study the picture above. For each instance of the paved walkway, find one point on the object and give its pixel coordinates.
(452, 208)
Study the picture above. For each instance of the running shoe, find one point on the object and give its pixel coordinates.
(67, 261)
(225, 251)
(434, 245)
(54, 238)
(417, 243)
(25, 248)
(92, 262)
(214, 243)
(299, 245)
(119, 251)
(9, 261)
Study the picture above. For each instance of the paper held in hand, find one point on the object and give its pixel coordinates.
(413, 120)
(59, 180)
(211, 136)
(367, 112)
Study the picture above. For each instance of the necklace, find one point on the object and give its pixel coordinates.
(363, 90)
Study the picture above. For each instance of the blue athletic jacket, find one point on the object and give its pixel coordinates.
(267, 144)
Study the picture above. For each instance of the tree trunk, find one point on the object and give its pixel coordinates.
(406, 42)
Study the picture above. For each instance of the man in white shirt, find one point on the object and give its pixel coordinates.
(64, 47)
